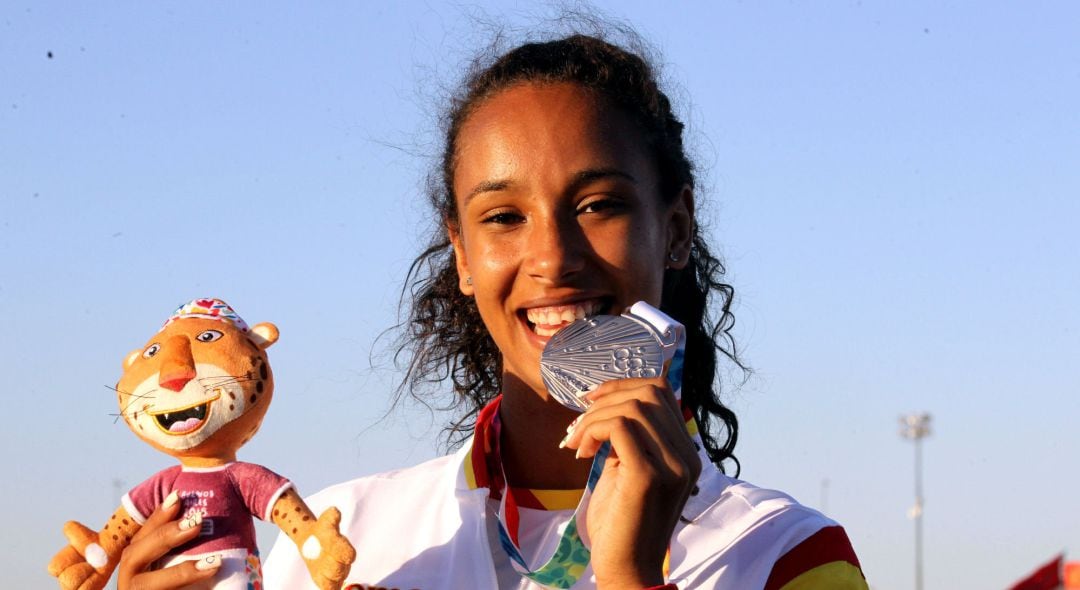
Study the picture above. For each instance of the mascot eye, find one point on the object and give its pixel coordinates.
(209, 336)
(151, 350)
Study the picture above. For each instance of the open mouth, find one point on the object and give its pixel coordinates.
(184, 420)
(546, 321)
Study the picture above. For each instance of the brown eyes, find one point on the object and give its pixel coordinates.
(502, 218)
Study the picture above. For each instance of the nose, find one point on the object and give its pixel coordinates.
(556, 249)
(177, 366)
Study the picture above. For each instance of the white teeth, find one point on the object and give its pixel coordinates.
(547, 320)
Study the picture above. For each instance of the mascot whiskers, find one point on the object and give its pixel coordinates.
(198, 390)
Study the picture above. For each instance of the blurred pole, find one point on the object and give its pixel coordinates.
(916, 427)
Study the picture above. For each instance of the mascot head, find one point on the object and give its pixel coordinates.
(201, 386)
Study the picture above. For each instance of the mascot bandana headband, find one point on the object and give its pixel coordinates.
(209, 309)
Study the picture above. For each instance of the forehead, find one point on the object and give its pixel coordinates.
(548, 128)
(193, 327)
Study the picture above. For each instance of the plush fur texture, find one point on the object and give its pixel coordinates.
(198, 391)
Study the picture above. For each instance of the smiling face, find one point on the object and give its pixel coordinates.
(559, 217)
(199, 388)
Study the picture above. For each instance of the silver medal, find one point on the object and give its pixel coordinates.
(589, 352)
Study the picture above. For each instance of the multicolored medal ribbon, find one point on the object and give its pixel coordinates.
(644, 342)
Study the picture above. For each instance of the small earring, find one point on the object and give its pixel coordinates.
(468, 281)
(673, 257)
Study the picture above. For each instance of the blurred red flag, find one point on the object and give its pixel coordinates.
(1047, 577)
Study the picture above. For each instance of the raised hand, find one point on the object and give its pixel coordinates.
(154, 540)
(647, 478)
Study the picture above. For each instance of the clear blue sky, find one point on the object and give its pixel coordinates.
(895, 187)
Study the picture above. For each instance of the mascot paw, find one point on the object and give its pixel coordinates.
(328, 554)
(84, 564)
(76, 572)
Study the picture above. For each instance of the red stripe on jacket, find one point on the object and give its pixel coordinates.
(828, 545)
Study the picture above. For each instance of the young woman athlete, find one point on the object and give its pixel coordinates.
(565, 192)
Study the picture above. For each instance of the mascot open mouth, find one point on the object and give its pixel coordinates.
(184, 420)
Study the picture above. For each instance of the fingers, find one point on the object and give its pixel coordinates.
(660, 384)
(642, 420)
(168, 510)
(85, 542)
(76, 576)
(79, 535)
(65, 558)
(177, 576)
(156, 542)
(648, 401)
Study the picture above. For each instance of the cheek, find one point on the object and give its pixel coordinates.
(492, 264)
(635, 255)
(633, 247)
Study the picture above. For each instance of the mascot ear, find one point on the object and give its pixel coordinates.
(131, 358)
(263, 335)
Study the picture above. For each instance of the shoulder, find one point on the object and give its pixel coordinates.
(744, 511)
(169, 473)
(392, 518)
(142, 499)
(426, 477)
(241, 471)
(734, 531)
(165, 477)
(824, 559)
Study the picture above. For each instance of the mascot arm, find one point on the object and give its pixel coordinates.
(327, 554)
(91, 556)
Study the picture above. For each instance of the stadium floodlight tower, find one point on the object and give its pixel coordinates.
(916, 427)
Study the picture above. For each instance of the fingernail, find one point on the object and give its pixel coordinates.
(574, 424)
(577, 455)
(170, 500)
(190, 523)
(210, 562)
(566, 439)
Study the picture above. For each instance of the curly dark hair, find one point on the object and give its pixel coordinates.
(444, 337)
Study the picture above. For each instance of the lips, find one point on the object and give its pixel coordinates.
(547, 320)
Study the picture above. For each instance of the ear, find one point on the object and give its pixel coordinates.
(263, 335)
(680, 229)
(131, 358)
(464, 276)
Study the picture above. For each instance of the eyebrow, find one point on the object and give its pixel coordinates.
(579, 179)
(589, 175)
(487, 186)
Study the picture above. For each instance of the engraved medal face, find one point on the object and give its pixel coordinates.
(589, 352)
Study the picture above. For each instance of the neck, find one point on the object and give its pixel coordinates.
(203, 462)
(533, 425)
